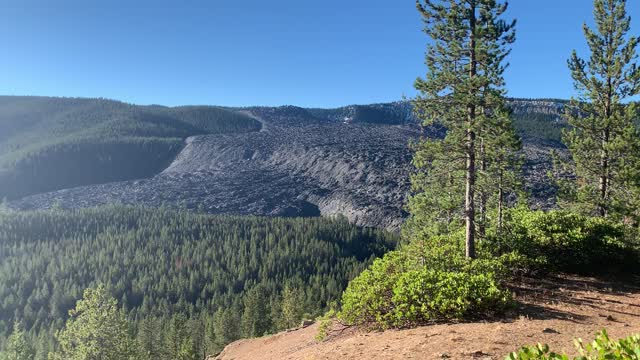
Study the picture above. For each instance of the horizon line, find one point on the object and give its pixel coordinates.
(509, 98)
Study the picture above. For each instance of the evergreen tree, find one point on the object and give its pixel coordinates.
(177, 339)
(255, 318)
(463, 91)
(95, 330)
(149, 338)
(501, 169)
(18, 346)
(226, 327)
(603, 140)
(292, 306)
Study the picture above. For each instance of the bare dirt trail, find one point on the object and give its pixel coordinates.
(553, 311)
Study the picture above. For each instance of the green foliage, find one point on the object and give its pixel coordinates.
(17, 346)
(603, 140)
(540, 127)
(96, 330)
(226, 328)
(565, 241)
(367, 299)
(602, 348)
(426, 295)
(420, 284)
(464, 92)
(538, 352)
(150, 338)
(52, 143)
(325, 322)
(70, 164)
(292, 307)
(255, 319)
(165, 264)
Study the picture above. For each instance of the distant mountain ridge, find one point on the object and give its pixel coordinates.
(54, 143)
(278, 161)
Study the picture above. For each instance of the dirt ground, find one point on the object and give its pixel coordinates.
(554, 310)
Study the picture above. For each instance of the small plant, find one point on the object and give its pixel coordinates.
(538, 352)
(325, 321)
(602, 348)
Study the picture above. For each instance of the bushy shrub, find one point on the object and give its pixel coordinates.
(367, 299)
(565, 241)
(602, 348)
(429, 279)
(425, 295)
(424, 282)
(446, 253)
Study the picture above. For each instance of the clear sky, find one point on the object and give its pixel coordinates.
(259, 52)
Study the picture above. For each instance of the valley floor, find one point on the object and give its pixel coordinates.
(553, 311)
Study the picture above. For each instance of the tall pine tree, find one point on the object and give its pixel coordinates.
(603, 140)
(463, 91)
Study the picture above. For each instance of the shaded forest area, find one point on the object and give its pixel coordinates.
(53, 143)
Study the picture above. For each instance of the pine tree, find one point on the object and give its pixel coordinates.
(501, 168)
(292, 307)
(18, 346)
(149, 338)
(603, 140)
(226, 327)
(463, 91)
(177, 339)
(255, 318)
(96, 329)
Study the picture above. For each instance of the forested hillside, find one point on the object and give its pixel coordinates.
(53, 143)
(171, 269)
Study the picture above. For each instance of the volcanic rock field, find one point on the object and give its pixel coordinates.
(298, 164)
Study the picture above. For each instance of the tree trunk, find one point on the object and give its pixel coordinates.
(603, 186)
(482, 226)
(469, 207)
(500, 202)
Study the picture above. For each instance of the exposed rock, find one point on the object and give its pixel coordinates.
(303, 162)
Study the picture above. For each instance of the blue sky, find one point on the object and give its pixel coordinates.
(256, 52)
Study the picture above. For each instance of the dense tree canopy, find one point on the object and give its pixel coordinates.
(160, 264)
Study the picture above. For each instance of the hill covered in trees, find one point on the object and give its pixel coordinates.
(179, 276)
(54, 143)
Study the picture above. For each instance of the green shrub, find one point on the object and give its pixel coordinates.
(425, 295)
(424, 282)
(429, 279)
(367, 299)
(324, 324)
(602, 348)
(538, 352)
(565, 241)
(446, 253)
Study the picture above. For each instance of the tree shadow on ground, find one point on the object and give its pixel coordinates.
(559, 296)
